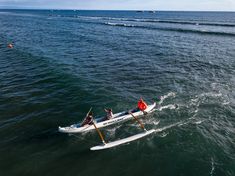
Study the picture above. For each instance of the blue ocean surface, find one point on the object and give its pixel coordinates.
(65, 61)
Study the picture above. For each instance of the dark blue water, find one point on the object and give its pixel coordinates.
(64, 62)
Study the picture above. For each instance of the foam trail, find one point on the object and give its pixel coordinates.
(153, 122)
(167, 127)
(176, 124)
(156, 123)
(226, 103)
(170, 106)
(148, 123)
(164, 135)
(184, 123)
(212, 166)
(162, 98)
(112, 131)
(199, 122)
(211, 94)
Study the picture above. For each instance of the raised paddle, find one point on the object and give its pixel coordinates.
(89, 111)
(86, 115)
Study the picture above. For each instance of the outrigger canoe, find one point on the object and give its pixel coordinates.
(102, 122)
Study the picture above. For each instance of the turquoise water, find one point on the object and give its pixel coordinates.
(64, 62)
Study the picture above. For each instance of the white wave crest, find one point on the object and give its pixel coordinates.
(162, 98)
(170, 106)
(120, 24)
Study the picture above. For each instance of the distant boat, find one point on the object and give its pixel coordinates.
(152, 11)
(140, 11)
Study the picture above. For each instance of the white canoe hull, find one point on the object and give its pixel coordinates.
(76, 128)
(122, 141)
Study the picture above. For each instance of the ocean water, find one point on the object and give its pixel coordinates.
(64, 62)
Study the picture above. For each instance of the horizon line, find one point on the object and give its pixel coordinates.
(142, 10)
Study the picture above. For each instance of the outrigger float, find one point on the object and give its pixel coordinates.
(117, 118)
(122, 141)
(108, 145)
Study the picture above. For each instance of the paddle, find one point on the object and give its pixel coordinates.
(89, 111)
(98, 131)
(141, 124)
(86, 115)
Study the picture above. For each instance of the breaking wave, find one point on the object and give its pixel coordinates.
(120, 24)
(159, 21)
(185, 22)
(184, 30)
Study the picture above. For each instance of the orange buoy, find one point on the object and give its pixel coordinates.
(10, 45)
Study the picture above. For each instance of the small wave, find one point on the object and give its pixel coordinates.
(90, 17)
(120, 24)
(185, 22)
(199, 31)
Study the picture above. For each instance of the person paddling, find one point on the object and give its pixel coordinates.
(88, 120)
(109, 113)
(10, 45)
(142, 105)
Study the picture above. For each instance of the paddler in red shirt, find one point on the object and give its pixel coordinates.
(142, 105)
